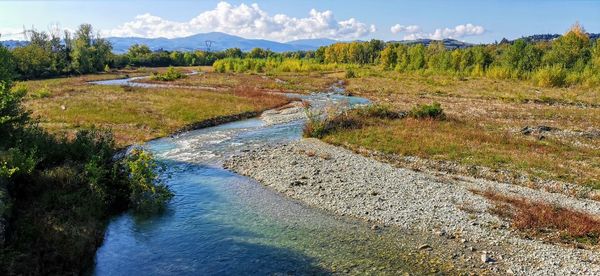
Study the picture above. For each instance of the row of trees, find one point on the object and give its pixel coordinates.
(570, 59)
(62, 53)
(52, 54)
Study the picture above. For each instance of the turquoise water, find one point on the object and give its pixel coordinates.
(221, 223)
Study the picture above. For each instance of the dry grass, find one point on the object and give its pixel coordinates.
(382, 83)
(136, 114)
(470, 144)
(485, 117)
(545, 220)
(285, 82)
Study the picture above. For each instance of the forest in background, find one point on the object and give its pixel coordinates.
(571, 59)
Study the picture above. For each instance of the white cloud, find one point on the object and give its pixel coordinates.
(408, 29)
(248, 21)
(457, 32)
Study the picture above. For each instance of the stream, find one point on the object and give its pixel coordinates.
(221, 223)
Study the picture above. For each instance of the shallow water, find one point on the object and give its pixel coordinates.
(226, 224)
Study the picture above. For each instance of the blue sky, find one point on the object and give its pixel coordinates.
(288, 20)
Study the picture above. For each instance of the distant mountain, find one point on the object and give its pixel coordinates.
(549, 37)
(215, 41)
(13, 43)
(448, 43)
(314, 43)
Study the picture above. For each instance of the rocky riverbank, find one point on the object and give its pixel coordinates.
(349, 184)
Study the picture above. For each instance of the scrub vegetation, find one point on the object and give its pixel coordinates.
(61, 191)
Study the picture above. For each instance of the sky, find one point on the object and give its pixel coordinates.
(471, 21)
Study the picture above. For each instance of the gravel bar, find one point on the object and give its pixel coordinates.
(349, 184)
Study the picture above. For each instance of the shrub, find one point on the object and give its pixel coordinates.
(550, 76)
(148, 192)
(320, 124)
(315, 126)
(43, 92)
(170, 75)
(381, 111)
(498, 72)
(350, 73)
(432, 111)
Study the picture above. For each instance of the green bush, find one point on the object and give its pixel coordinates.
(381, 111)
(498, 72)
(63, 190)
(319, 124)
(550, 76)
(432, 111)
(43, 92)
(148, 192)
(350, 73)
(170, 75)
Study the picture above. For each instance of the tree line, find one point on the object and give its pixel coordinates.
(62, 53)
(572, 58)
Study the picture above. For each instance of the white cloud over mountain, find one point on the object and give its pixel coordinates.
(456, 32)
(249, 21)
(401, 28)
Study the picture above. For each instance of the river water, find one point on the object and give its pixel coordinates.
(221, 223)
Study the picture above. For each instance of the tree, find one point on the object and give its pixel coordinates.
(8, 65)
(417, 57)
(257, 53)
(522, 56)
(90, 52)
(137, 50)
(33, 61)
(12, 115)
(234, 53)
(388, 57)
(572, 50)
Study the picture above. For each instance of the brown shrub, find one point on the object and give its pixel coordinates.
(539, 217)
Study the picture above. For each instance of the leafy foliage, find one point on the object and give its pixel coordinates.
(62, 190)
(432, 111)
(148, 193)
(170, 75)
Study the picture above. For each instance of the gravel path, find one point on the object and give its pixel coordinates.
(338, 180)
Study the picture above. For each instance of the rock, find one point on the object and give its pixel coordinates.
(526, 130)
(62, 107)
(425, 247)
(375, 227)
(297, 183)
(485, 258)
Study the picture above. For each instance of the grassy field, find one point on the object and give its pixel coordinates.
(63, 105)
(484, 124)
(285, 82)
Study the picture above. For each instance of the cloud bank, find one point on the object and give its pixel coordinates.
(401, 28)
(249, 21)
(413, 32)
